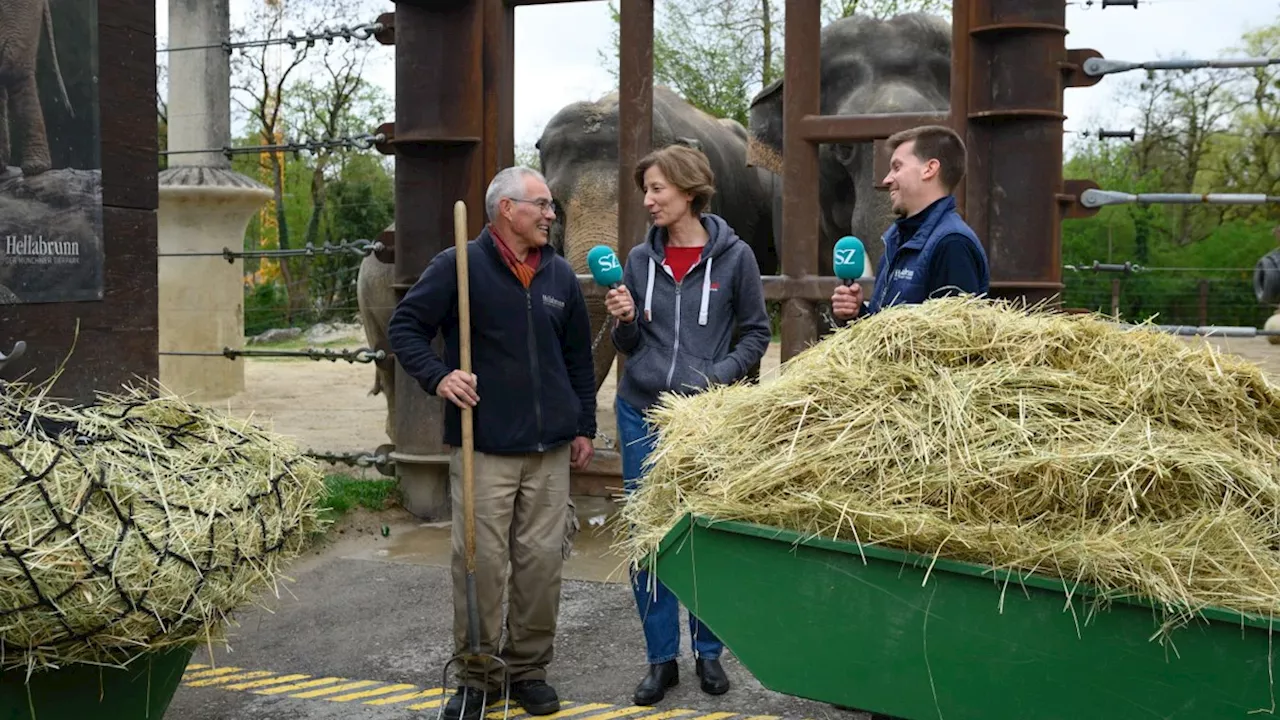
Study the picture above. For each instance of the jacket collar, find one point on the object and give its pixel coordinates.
(934, 215)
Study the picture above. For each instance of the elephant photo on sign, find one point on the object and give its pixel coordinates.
(50, 154)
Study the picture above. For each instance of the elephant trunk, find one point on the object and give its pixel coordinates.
(591, 218)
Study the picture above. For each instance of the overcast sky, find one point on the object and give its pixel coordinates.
(558, 58)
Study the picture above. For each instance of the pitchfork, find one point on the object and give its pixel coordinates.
(468, 477)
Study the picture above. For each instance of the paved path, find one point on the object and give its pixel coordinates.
(363, 633)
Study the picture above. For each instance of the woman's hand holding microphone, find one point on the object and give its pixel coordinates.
(619, 304)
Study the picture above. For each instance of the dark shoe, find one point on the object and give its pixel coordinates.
(654, 686)
(714, 681)
(466, 704)
(535, 696)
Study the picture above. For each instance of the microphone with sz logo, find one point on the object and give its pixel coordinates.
(605, 268)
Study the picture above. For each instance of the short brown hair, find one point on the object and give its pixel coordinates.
(935, 142)
(684, 167)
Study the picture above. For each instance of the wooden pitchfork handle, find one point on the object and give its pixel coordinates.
(460, 239)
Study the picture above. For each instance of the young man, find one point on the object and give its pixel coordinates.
(534, 402)
(929, 251)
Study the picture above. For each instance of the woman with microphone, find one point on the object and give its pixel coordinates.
(686, 288)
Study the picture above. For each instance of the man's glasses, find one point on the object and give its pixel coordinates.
(542, 203)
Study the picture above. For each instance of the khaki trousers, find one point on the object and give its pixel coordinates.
(522, 510)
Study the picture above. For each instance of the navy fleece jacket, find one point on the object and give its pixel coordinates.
(679, 340)
(530, 349)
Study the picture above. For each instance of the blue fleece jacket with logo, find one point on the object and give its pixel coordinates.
(679, 341)
(530, 349)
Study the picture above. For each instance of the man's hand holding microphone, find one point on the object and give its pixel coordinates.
(850, 259)
(607, 272)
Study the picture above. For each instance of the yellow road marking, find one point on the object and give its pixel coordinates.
(378, 693)
(668, 714)
(578, 710)
(405, 698)
(370, 693)
(335, 688)
(210, 673)
(632, 710)
(229, 678)
(263, 683)
(298, 686)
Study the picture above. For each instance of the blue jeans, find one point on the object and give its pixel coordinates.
(659, 608)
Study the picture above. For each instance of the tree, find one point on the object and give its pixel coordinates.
(260, 76)
(716, 55)
(336, 102)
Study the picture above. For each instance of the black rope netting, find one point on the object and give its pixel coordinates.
(137, 523)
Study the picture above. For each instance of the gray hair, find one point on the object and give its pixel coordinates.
(509, 182)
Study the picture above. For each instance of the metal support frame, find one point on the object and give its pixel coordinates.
(454, 130)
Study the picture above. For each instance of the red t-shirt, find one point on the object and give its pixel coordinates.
(680, 259)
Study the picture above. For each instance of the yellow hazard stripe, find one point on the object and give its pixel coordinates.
(381, 693)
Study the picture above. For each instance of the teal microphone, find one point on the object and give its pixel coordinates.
(849, 258)
(604, 265)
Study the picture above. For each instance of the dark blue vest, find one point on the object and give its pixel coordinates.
(903, 274)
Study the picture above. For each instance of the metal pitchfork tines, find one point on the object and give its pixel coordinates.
(468, 484)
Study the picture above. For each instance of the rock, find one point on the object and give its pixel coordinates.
(276, 335)
(328, 332)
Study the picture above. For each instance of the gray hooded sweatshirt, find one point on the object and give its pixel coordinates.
(679, 340)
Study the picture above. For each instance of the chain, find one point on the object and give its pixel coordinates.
(355, 247)
(362, 32)
(360, 355)
(352, 142)
(354, 459)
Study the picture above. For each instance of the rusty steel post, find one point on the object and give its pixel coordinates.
(635, 116)
(1017, 63)
(499, 86)
(800, 208)
(635, 122)
(439, 126)
(959, 108)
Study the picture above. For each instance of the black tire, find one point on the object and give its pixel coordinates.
(1266, 278)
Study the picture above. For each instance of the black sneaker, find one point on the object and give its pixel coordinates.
(535, 696)
(467, 703)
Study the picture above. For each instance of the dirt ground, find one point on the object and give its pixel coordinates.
(327, 406)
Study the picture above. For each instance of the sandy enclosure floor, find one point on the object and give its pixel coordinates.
(327, 406)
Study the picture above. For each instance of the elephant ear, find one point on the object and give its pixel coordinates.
(694, 143)
(764, 128)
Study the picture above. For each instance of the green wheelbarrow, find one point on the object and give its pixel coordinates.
(901, 634)
(78, 691)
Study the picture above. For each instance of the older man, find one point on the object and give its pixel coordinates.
(929, 251)
(531, 346)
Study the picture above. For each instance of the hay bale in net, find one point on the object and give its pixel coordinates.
(1065, 445)
(137, 522)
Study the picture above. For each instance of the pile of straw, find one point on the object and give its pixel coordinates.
(1064, 445)
(137, 522)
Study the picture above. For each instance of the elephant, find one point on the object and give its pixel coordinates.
(21, 26)
(578, 151)
(867, 66)
(376, 298)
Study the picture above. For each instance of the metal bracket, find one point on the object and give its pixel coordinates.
(1094, 198)
(19, 348)
(1102, 66)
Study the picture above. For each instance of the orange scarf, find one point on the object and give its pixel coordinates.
(523, 270)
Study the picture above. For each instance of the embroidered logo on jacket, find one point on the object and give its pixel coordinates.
(903, 274)
(553, 302)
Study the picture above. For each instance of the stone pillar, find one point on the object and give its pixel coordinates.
(204, 207)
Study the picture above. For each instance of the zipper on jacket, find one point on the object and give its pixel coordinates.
(533, 361)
